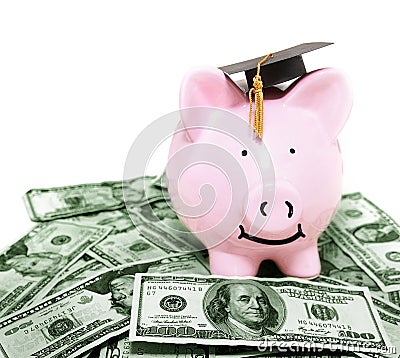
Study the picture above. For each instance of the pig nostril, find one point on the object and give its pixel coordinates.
(262, 206)
(290, 214)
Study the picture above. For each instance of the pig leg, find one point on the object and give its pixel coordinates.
(303, 262)
(222, 263)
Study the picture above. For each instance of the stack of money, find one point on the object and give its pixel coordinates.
(101, 276)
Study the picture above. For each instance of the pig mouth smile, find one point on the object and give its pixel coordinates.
(244, 234)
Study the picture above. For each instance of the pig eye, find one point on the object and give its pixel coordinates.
(244, 152)
(292, 150)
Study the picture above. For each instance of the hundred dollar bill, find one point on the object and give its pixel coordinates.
(80, 318)
(29, 266)
(132, 243)
(236, 311)
(370, 237)
(335, 263)
(120, 347)
(61, 202)
(389, 314)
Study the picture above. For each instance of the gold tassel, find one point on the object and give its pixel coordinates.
(258, 123)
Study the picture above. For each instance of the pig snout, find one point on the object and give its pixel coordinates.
(273, 211)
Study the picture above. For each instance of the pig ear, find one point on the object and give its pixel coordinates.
(207, 87)
(328, 94)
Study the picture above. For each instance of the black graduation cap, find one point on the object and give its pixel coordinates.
(285, 65)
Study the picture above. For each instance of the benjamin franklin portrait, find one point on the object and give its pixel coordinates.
(244, 309)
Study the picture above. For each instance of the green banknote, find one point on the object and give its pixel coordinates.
(370, 237)
(129, 242)
(61, 202)
(30, 265)
(161, 181)
(80, 318)
(254, 312)
(125, 243)
(80, 271)
(159, 221)
(389, 314)
(335, 263)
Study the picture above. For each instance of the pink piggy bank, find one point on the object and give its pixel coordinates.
(282, 205)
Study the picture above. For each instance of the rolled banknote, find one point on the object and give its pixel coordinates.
(29, 266)
(254, 312)
(80, 318)
(62, 202)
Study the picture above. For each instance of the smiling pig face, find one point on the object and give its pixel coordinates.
(250, 199)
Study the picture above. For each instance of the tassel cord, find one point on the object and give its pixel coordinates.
(257, 90)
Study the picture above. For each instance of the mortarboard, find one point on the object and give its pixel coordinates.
(285, 65)
(267, 71)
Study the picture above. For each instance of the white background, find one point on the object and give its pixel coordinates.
(80, 79)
